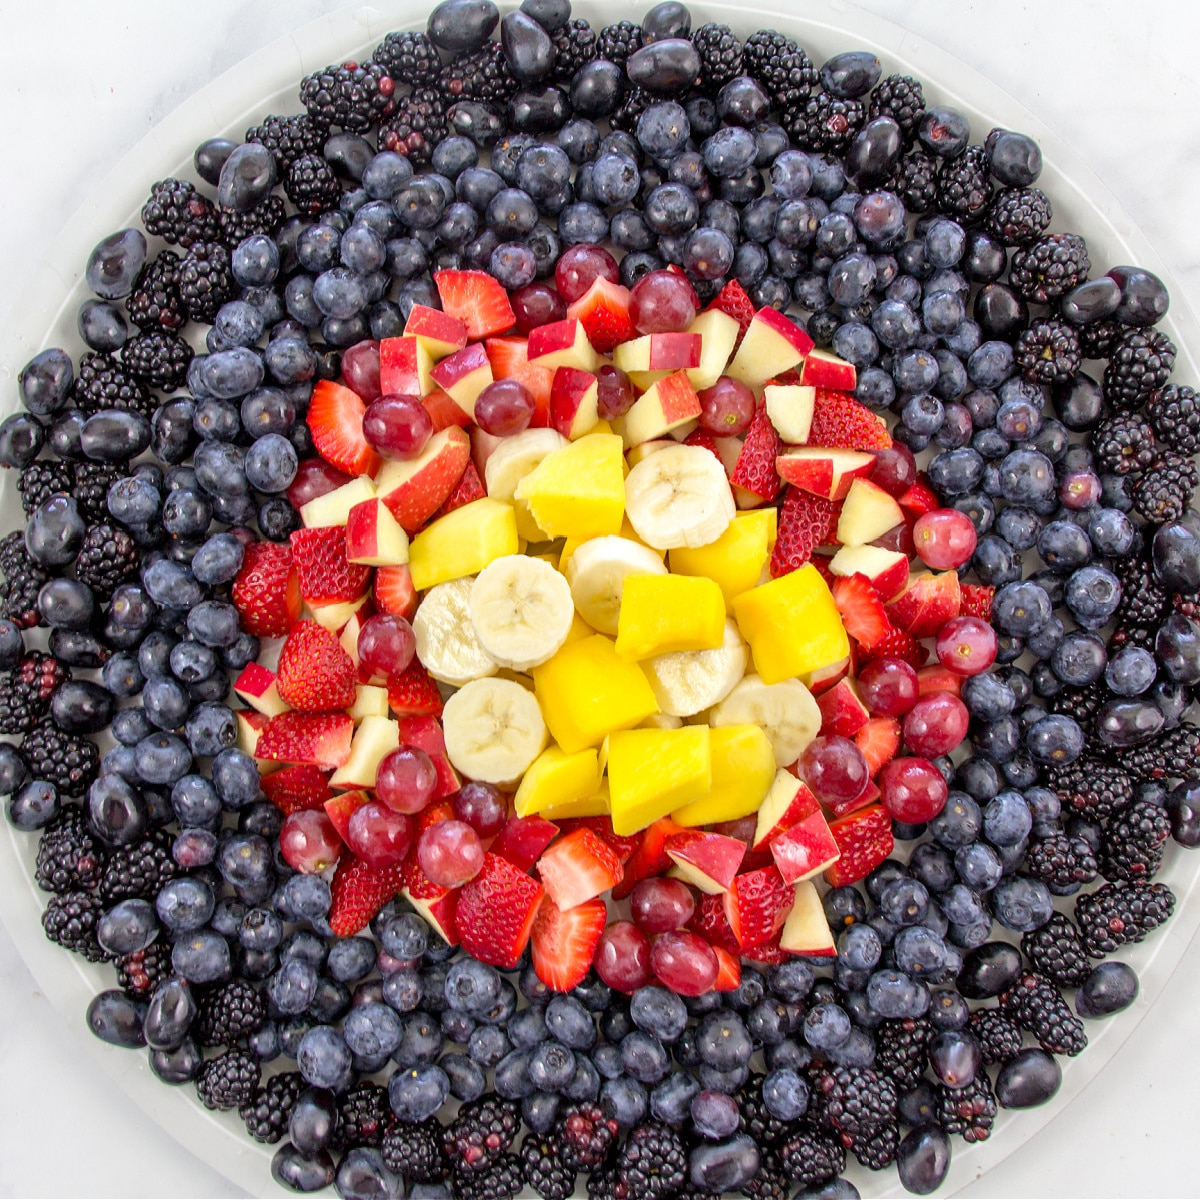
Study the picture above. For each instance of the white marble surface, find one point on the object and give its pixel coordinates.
(82, 82)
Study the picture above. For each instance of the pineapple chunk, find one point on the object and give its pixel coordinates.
(664, 614)
(462, 542)
(653, 771)
(743, 769)
(578, 491)
(736, 559)
(557, 780)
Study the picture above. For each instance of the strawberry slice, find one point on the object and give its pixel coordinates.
(650, 858)
(841, 422)
(919, 498)
(358, 893)
(976, 601)
(865, 840)
(622, 845)
(430, 815)
(496, 911)
(729, 970)
(509, 358)
(315, 673)
(468, 489)
(710, 922)
(769, 953)
(936, 678)
(733, 301)
(523, 839)
(296, 789)
(754, 470)
(603, 311)
(701, 437)
(895, 643)
(578, 867)
(564, 942)
(879, 740)
(477, 300)
(327, 576)
(860, 608)
(335, 416)
(394, 591)
(805, 522)
(415, 693)
(756, 906)
(320, 739)
(266, 590)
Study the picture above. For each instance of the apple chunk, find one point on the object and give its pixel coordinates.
(926, 604)
(825, 370)
(333, 508)
(790, 410)
(256, 685)
(659, 352)
(886, 569)
(708, 861)
(806, 930)
(842, 710)
(868, 512)
(823, 471)
(573, 402)
(375, 738)
(805, 849)
(718, 335)
(438, 332)
(788, 800)
(562, 344)
(415, 488)
(374, 537)
(463, 375)
(404, 366)
(773, 344)
(666, 405)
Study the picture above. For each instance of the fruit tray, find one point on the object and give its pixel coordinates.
(230, 105)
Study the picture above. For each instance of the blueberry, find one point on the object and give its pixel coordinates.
(722, 1041)
(671, 1100)
(202, 957)
(893, 994)
(569, 1022)
(487, 1045)
(624, 1100)
(1007, 819)
(402, 990)
(715, 1115)
(659, 1012)
(826, 1027)
(236, 779)
(1022, 904)
(643, 1057)
(472, 987)
(324, 1058)
(511, 1076)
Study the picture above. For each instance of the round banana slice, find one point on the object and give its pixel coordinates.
(494, 730)
(445, 635)
(689, 681)
(788, 714)
(522, 610)
(596, 573)
(679, 497)
(515, 457)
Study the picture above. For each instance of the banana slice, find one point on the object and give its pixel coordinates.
(445, 635)
(690, 681)
(494, 730)
(679, 497)
(522, 610)
(515, 457)
(596, 573)
(788, 714)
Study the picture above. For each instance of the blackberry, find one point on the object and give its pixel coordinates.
(1064, 864)
(409, 58)
(415, 1151)
(900, 1049)
(138, 871)
(502, 1180)
(205, 281)
(720, 51)
(877, 1149)
(1049, 268)
(970, 1110)
(771, 1181)
(1081, 703)
(964, 185)
(349, 96)
(1172, 755)
(780, 65)
(364, 1115)
(179, 214)
(633, 104)
(155, 302)
(69, 857)
(159, 358)
(70, 921)
(586, 1136)
(142, 971)
(1056, 951)
(1092, 787)
(823, 122)
(1174, 411)
(999, 1037)
(753, 1117)
(264, 218)
(418, 125)
(102, 383)
(1135, 841)
(1120, 913)
(107, 557)
(1038, 1006)
(25, 692)
(574, 47)
(652, 1162)
(66, 760)
(915, 181)
(1019, 216)
(1164, 490)
(229, 1013)
(544, 1169)
(228, 1081)
(480, 1134)
(287, 138)
(311, 185)
(1122, 443)
(1140, 363)
(1099, 339)
(900, 97)
(602, 1184)
(269, 1110)
(857, 1101)
(617, 42)
(811, 1157)
(483, 74)
(40, 480)
(92, 481)
(1048, 351)
(1143, 603)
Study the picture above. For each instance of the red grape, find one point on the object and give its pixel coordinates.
(578, 268)
(504, 407)
(834, 768)
(386, 645)
(741, 828)
(944, 538)
(899, 537)
(397, 426)
(660, 905)
(913, 790)
(622, 958)
(379, 835)
(360, 369)
(936, 724)
(314, 477)
(450, 853)
(482, 806)
(536, 304)
(406, 779)
(614, 392)
(895, 469)
(966, 645)
(1079, 489)
(888, 686)
(308, 842)
(684, 962)
(726, 408)
(662, 302)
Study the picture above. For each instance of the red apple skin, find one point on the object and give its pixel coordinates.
(821, 369)
(842, 710)
(868, 795)
(420, 494)
(398, 374)
(805, 849)
(436, 326)
(822, 679)
(460, 364)
(674, 351)
(548, 339)
(926, 604)
(803, 804)
(677, 397)
(787, 329)
(712, 854)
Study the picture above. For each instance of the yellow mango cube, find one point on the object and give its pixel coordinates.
(743, 769)
(663, 614)
(735, 561)
(792, 625)
(462, 542)
(578, 491)
(555, 779)
(595, 805)
(651, 772)
(579, 630)
(587, 691)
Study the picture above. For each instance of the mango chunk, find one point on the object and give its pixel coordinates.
(462, 542)
(587, 691)
(595, 805)
(735, 561)
(664, 614)
(743, 769)
(555, 779)
(651, 772)
(792, 625)
(578, 491)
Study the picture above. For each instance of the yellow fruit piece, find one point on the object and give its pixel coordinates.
(586, 691)
(595, 805)
(663, 614)
(736, 559)
(527, 528)
(651, 772)
(462, 542)
(579, 630)
(556, 779)
(792, 625)
(578, 491)
(743, 769)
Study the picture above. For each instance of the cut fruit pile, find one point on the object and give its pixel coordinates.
(672, 653)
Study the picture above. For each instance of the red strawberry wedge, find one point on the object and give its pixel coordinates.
(756, 906)
(733, 302)
(394, 591)
(468, 489)
(841, 422)
(266, 590)
(564, 942)
(509, 358)
(603, 311)
(729, 970)
(296, 789)
(477, 300)
(879, 741)
(415, 693)
(335, 415)
(860, 608)
(754, 470)
(315, 673)
(650, 858)
(895, 643)
(319, 739)
(578, 867)
(805, 522)
(864, 839)
(976, 601)
(710, 921)
(523, 839)
(326, 575)
(496, 911)
(358, 893)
